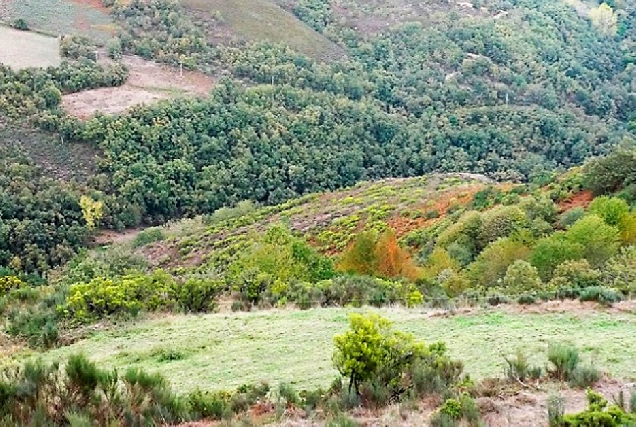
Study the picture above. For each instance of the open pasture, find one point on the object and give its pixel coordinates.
(225, 350)
(24, 49)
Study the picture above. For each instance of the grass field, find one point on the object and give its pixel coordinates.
(264, 20)
(85, 17)
(225, 350)
(23, 49)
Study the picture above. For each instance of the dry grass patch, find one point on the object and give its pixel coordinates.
(24, 49)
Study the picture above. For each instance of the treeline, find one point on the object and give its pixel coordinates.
(270, 144)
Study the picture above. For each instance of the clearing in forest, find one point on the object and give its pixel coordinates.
(148, 82)
(225, 350)
(24, 49)
(85, 17)
(261, 20)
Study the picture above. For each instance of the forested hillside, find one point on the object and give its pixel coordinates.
(508, 89)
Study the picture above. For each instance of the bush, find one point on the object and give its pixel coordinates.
(490, 267)
(599, 240)
(147, 236)
(83, 391)
(522, 277)
(102, 297)
(598, 413)
(556, 410)
(198, 295)
(611, 209)
(569, 217)
(20, 24)
(600, 294)
(620, 271)
(551, 251)
(575, 274)
(564, 359)
(215, 405)
(584, 376)
(381, 363)
(519, 368)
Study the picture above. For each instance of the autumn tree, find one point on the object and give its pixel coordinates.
(604, 18)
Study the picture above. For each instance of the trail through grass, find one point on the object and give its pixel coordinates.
(225, 350)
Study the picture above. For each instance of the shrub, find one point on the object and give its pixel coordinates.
(378, 256)
(620, 271)
(611, 209)
(126, 296)
(214, 405)
(147, 236)
(82, 391)
(584, 376)
(600, 294)
(198, 295)
(553, 250)
(599, 413)
(575, 274)
(599, 240)
(519, 368)
(564, 359)
(556, 410)
(521, 277)
(492, 263)
(569, 217)
(20, 24)
(381, 363)
(610, 173)
(500, 223)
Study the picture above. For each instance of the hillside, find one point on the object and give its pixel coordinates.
(434, 202)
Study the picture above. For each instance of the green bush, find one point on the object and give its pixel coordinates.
(553, 250)
(147, 236)
(599, 240)
(611, 209)
(620, 271)
(564, 359)
(600, 294)
(569, 217)
(198, 295)
(209, 405)
(522, 277)
(598, 414)
(576, 274)
(518, 368)
(556, 410)
(123, 296)
(584, 376)
(381, 363)
(83, 391)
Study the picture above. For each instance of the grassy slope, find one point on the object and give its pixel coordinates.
(85, 17)
(20, 49)
(328, 221)
(264, 20)
(226, 350)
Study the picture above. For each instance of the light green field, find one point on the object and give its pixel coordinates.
(85, 17)
(264, 20)
(226, 350)
(23, 49)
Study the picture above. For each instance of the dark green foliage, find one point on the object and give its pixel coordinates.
(601, 295)
(585, 376)
(20, 24)
(608, 174)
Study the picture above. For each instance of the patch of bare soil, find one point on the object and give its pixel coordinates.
(148, 82)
